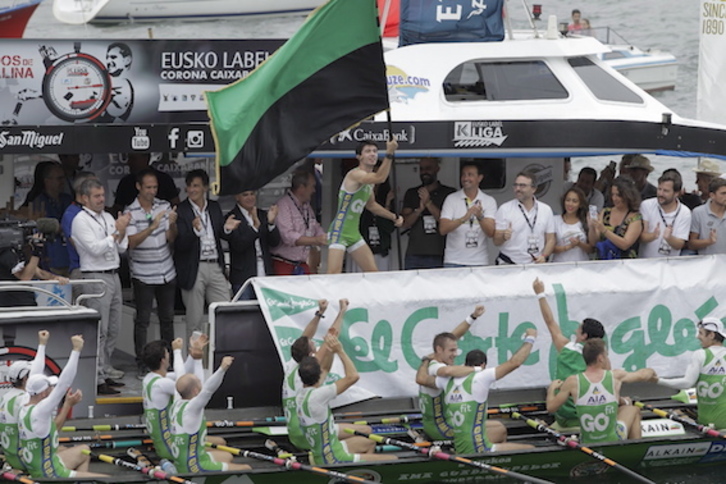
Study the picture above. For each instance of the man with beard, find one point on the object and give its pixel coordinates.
(525, 226)
(666, 220)
(421, 213)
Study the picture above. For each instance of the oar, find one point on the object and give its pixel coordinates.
(9, 476)
(211, 424)
(684, 420)
(119, 444)
(513, 407)
(96, 438)
(437, 454)
(542, 427)
(152, 472)
(104, 428)
(291, 464)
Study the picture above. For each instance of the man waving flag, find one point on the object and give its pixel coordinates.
(327, 77)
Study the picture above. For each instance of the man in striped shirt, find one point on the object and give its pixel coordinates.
(151, 232)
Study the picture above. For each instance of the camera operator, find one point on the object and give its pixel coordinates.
(16, 266)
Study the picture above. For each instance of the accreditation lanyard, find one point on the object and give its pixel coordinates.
(524, 214)
(304, 213)
(662, 217)
(100, 224)
(203, 217)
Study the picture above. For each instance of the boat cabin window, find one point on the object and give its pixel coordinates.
(616, 54)
(603, 85)
(493, 169)
(502, 81)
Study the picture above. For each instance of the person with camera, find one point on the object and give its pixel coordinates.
(20, 263)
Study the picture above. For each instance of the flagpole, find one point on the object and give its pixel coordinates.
(384, 17)
(394, 184)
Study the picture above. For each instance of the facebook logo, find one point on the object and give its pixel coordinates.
(173, 138)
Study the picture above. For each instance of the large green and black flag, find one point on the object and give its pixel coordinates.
(326, 78)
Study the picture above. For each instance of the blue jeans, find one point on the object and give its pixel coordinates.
(413, 262)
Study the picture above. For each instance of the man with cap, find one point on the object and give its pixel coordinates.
(706, 170)
(639, 168)
(706, 372)
(12, 400)
(40, 452)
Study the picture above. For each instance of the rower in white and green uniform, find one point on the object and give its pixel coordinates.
(441, 364)
(707, 372)
(15, 398)
(158, 388)
(40, 452)
(569, 353)
(355, 196)
(316, 418)
(189, 427)
(466, 399)
(603, 415)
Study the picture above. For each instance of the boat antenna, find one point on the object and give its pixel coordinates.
(531, 19)
(508, 20)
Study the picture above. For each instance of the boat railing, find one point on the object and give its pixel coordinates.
(56, 299)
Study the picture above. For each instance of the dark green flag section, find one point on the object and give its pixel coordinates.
(326, 78)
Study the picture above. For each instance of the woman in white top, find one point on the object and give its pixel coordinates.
(571, 228)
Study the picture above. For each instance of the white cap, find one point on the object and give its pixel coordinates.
(18, 370)
(39, 383)
(713, 324)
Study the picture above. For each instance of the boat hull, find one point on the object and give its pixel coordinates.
(550, 462)
(13, 20)
(115, 11)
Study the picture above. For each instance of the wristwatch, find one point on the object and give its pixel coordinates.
(424, 359)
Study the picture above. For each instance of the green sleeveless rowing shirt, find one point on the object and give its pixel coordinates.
(39, 453)
(9, 408)
(158, 425)
(597, 409)
(466, 414)
(345, 228)
(433, 411)
(569, 362)
(191, 454)
(710, 388)
(290, 386)
(316, 420)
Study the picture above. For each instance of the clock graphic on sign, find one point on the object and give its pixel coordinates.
(76, 86)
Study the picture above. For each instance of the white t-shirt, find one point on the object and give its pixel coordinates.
(541, 220)
(433, 370)
(564, 232)
(680, 219)
(467, 244)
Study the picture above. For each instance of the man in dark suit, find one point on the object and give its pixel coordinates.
(198, 254)
(250, 242)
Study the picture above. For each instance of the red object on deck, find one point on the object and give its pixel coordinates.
(394, 17)
(14, 19)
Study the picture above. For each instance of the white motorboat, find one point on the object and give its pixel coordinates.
(115, 11)
(533, 96)
(652, 69)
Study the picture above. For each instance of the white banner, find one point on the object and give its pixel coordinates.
(712, 62)
(649, 308)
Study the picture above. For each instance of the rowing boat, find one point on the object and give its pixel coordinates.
(547, 460)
